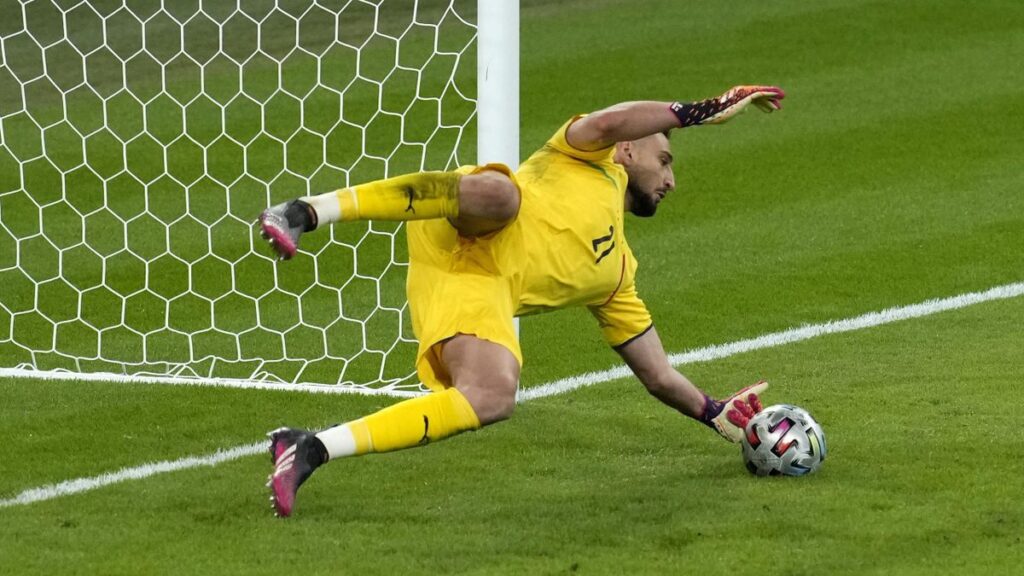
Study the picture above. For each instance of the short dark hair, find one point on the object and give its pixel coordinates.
(667, 133)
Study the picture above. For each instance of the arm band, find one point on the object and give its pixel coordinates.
(696, 113)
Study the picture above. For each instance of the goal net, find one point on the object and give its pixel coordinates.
(140, 139)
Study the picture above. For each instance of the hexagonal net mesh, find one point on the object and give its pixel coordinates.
(140, 139)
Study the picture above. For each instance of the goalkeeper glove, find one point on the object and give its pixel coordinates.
(730, 416)
(282, 225)
(721, 109)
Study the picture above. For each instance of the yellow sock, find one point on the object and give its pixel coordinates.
(410, 197)
(404, 425)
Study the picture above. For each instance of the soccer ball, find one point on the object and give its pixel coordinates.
(783, 440)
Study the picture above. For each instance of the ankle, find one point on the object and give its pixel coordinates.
(301, 215)
(323, 209)
(318, 455)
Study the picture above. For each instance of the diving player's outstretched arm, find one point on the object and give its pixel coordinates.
(634, 120)
(646, 357)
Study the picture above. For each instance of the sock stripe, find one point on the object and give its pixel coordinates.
(361, 433)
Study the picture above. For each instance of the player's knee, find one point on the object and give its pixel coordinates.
(505, 201)
(491, 195)
(502, 398)
(494, 398)
(501, 407)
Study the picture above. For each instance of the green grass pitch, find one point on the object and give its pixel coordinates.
(891, 176)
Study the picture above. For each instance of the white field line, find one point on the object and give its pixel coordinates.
(77, 485)
(774, 339)
(706, 354)
(186, 381)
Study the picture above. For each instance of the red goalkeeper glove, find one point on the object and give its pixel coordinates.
(721, 109)
(742, 409)
(730, 416)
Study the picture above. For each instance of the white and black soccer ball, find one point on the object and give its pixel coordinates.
(783, 440)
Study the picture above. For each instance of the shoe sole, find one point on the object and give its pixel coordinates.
(279, 510)
(279, 240)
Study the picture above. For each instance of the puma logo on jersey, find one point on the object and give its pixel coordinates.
(597, 242)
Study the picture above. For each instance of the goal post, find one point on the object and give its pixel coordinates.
(497, 73)
(139, 140)
(497, 81)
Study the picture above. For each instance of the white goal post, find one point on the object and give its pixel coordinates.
(139, 139)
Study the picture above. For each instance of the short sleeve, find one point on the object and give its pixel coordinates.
(561, 144)
(623, 317)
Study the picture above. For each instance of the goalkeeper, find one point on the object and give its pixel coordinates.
(487, 245)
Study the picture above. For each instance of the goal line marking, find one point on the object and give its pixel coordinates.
(706, 354)
(204, 381)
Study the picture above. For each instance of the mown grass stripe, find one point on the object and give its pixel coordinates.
(709, 353)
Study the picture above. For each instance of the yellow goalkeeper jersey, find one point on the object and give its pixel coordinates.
(565, 248)
(574, 244)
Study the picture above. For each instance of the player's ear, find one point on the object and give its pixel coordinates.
(626, 149)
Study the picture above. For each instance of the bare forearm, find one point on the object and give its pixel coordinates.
(630, 121)
(646, 357)
(622, 122)
(677, 392)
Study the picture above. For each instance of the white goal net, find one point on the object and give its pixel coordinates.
(139, 139)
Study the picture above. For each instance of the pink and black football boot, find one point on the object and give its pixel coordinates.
(282, 225)
(295, 454)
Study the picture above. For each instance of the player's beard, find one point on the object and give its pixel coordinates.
(641, 203)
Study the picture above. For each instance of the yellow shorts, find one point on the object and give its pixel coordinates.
(460, 285)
